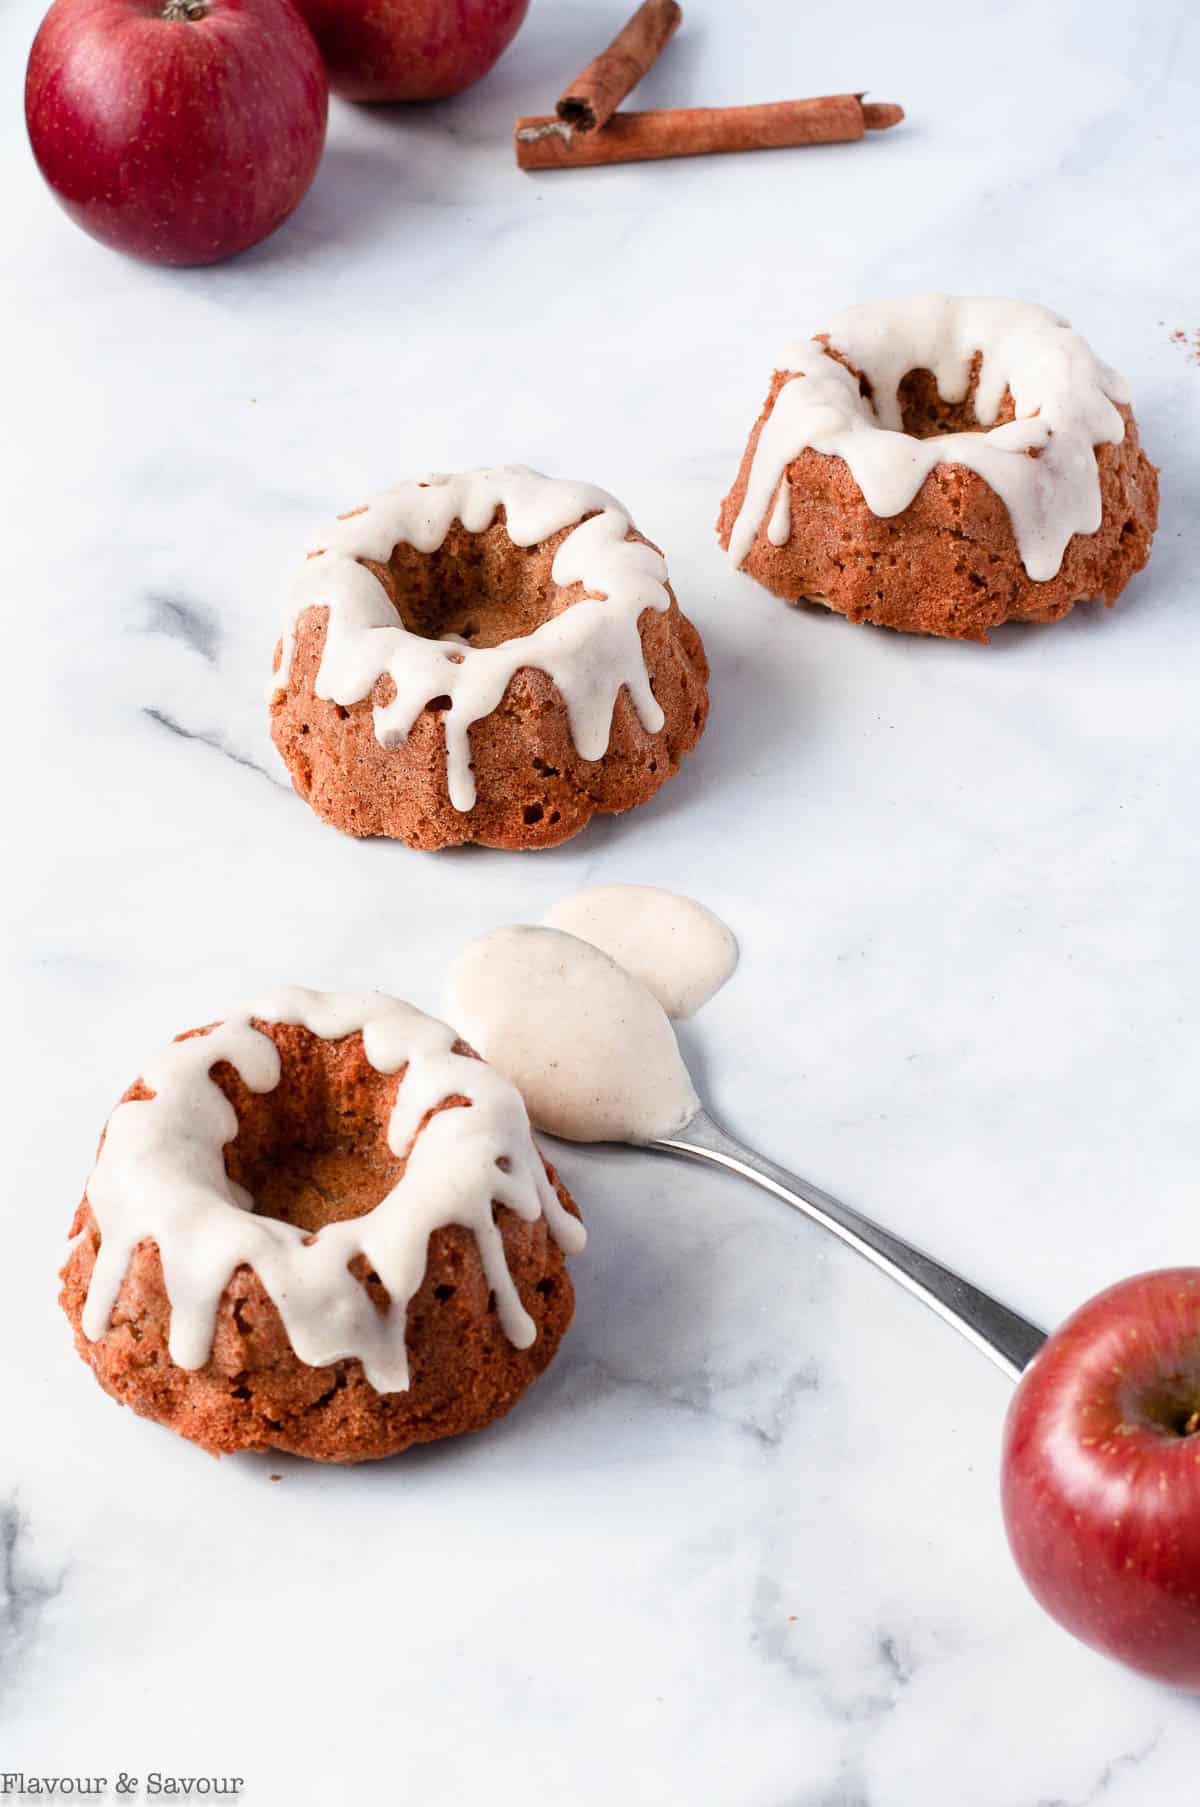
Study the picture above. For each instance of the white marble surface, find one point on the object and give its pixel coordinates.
(741, 1548)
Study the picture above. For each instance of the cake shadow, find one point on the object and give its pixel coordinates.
(647, 1317)
(750, 730)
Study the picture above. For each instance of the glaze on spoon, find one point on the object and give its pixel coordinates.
(671, 944)
(591, 1050)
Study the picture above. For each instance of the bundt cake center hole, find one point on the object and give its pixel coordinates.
(312, 1187)
(926, 413)
(313, 1151)
(476, 588)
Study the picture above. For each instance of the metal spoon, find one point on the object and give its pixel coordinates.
(1010, 1340)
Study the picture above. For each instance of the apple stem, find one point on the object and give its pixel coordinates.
(1192, 1425)
(185, 9)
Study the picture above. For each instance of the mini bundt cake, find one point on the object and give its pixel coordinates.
(943, 465)
(321, 1226)
(491, 657)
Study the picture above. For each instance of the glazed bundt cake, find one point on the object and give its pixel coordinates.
(321, 1225)
(490, 657)
(943, 465)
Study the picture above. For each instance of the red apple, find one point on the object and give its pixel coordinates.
(410, 49)
(178, 130)
(1101, 1474)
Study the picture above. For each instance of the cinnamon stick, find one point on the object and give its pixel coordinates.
(702, 131)
(596, 93)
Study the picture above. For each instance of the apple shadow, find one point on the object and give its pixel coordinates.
(358, 195)
(382, 159)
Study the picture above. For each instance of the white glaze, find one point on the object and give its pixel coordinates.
(672, 945)
(590, 650)
(160, 1176)
(1063, 397)
(590, 1049)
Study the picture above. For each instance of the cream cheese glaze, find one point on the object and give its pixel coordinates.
(590, 1049)
(160, 1175)
(1042, 464)
(590, 650)
(670, 944)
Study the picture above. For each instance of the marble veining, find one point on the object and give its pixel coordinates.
(25, 1590)
(740, 1547)
(181, 618)
(215, 741)
(766, 1420)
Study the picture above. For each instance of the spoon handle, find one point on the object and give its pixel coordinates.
(1011, 1341)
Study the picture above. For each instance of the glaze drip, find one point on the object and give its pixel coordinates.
(1042, 464)
(590, 650)
(160, 1176)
